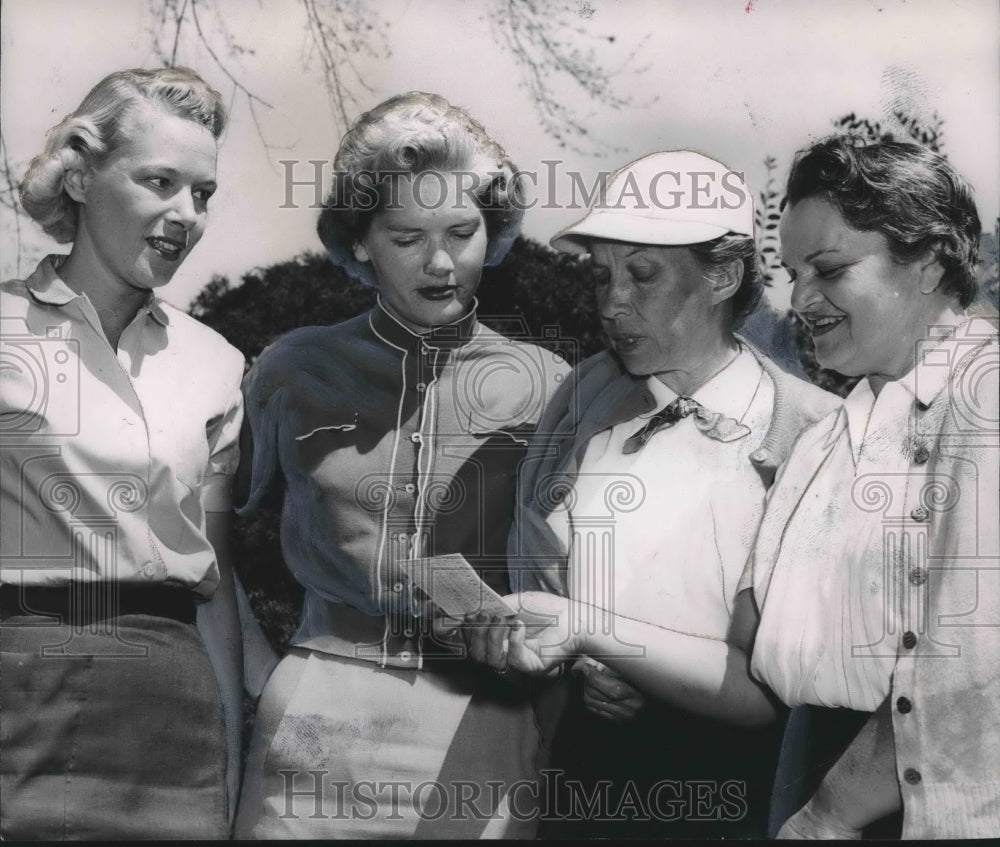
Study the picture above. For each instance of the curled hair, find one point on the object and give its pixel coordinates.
(88, 136)
(716, 255)
(411, 134)
(908, 193)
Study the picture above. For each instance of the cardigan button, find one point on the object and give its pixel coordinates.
(909, 640)
(912, 776)
(921, 454)
(904, 706)
(421, 386)
(920, 514)
(918, 576)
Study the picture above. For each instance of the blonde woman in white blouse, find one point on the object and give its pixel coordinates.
(119, 448)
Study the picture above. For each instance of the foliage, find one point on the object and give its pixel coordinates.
(546, 40)
(554, 51)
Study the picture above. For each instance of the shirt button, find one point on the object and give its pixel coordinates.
(919, 514)
(921, 454)
(421, 386)
(405, 655)
(416, 438)
(408, 633)
(758, 456)
(904, 706)
(909, 640)
(397, 587)
(918, 576)
(912, 776)
(409, 488)
(149, 570)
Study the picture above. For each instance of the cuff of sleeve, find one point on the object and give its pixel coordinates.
(217, 493)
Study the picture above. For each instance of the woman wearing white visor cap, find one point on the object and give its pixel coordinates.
(643, 489)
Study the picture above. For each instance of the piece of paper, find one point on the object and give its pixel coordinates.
(453, 586)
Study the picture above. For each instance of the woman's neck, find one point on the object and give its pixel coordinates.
(940, 312)
(116, 303)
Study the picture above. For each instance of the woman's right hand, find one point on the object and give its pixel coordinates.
(533, 642)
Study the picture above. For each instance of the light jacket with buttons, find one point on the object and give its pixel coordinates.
(944, 532)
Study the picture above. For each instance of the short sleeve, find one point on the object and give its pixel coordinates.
(224, 457)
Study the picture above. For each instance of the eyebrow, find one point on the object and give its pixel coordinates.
(470, 221)
(820, 252)
(169, 170)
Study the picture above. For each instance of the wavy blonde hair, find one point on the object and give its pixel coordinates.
(86, 137)
(411, 134)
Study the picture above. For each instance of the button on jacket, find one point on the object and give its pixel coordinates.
(111, 458)
(936, 568)
(393, 445)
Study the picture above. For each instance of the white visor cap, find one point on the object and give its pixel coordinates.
(671, 198)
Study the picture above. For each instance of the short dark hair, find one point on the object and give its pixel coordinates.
(717, 254)
(906, 192)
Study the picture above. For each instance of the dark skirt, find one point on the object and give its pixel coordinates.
(665, 774)
(112, 730)
(815, 738)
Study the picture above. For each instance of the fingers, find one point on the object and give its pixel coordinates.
(476, 636)
(608, 696)
(608, 686)
(445, 627)
(487, 640)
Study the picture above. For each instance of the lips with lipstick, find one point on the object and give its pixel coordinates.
(436, 293)
(168, 248)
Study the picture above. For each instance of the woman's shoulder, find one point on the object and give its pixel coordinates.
(308, 350)
(191, 336)
(310, 340)
(523, 356)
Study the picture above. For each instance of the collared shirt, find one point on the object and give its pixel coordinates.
(390, 445)
(111, 457)
(596, 396)
(913, 610)
(676, 519)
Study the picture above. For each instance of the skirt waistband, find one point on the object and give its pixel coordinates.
(82, 603)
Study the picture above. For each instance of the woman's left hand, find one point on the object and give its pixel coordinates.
(606, 694)
(534, 642)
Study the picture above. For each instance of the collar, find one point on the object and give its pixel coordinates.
(858, 407)
(387, 327)
(46, 286)
(939, 354)
(729, 392)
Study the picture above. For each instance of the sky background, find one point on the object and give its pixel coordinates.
(739, 81)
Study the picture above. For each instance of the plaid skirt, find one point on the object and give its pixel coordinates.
(109, 731)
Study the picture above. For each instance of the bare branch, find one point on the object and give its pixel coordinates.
(8, 197)
(544, 40)
(339, 31)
